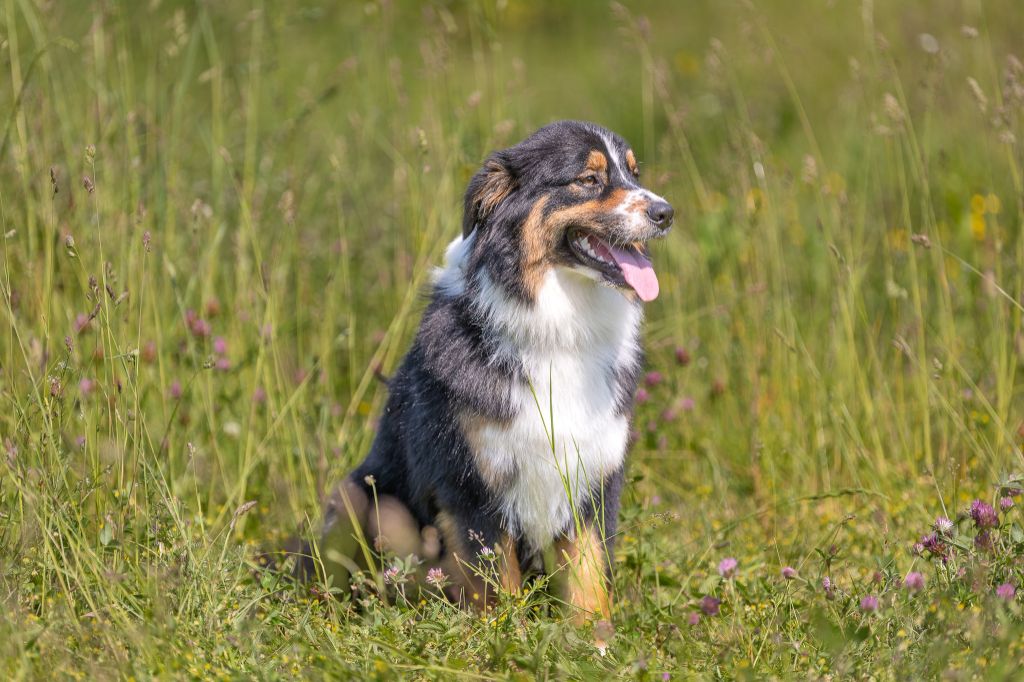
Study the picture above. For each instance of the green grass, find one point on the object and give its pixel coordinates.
(218, 219)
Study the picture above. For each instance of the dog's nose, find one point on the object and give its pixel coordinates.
(660, 213)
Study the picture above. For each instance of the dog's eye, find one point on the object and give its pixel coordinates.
(588, 181)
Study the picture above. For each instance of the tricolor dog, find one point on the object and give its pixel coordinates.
(508, 421)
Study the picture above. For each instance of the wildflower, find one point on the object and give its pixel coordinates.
(984, 515)
(220, 346)
(933, 545)
(149, 352)
(869, 603)
(710, 606)
(81, 322)
(259, 396)
(436, 577)
(943, 526)
(1006, 592)
(1005, 503)
(55, 388)
(727, 567)
(669, 414)
(486, 552)
(687, 404)
(199, 327)
(917, 549)
(652, 378)
(983, 541)
(175, 390)
(826, 584)
(391, 574)
(682, 356)
(642, 396)
(914, 582)
(146, 239)
(788, 572)
(223, 364)
(693, 618)
(80, 442)
(86, 386)
(69, 343)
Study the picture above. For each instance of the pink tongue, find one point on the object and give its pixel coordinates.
(637, 270)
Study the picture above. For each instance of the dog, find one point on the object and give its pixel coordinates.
(507, 424)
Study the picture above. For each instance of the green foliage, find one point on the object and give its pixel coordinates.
(218, 219)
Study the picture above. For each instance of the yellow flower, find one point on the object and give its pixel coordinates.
(978, 226)
(977, 204)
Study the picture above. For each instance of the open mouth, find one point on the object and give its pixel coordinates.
(622, 266)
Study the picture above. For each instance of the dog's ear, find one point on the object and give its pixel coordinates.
(488, 188)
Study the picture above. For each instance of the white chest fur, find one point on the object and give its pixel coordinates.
(566, 435)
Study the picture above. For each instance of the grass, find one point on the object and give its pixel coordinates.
(217, 221)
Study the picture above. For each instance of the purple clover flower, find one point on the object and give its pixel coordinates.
(943, 526)
(1006, 592)
(727, 567)
(869, 603)
(934, 545)
(436, 577)
(914, 582)
(710, 606)
(984, 515)
(1005, 503)
(788, 572)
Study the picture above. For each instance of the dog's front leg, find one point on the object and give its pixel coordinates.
(583, 558)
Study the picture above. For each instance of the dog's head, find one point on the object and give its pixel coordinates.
(568, 196)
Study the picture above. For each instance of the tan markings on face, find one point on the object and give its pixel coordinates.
(597, 162)
(539, 243)
(497, 185)
(636, 204)
(493, 476)
(587, 589)
(631, 163)
(542, 234)
(586, 213)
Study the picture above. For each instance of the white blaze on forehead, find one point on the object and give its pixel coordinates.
(613, 157)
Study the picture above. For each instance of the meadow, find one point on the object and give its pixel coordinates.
(218, 220)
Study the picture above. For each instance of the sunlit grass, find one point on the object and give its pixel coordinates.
(218, 220)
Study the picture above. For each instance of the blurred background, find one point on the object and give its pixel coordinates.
(220, 218)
